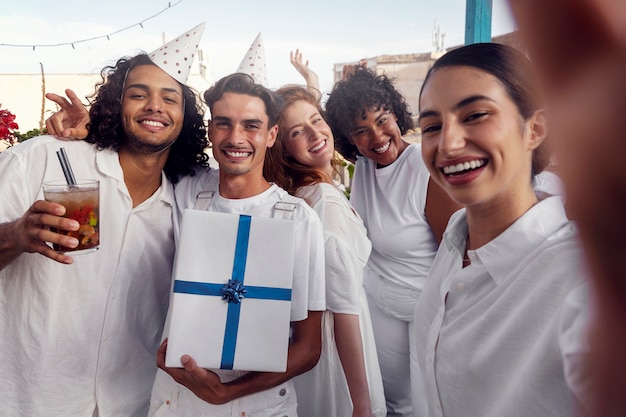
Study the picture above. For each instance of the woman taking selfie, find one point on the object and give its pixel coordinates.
(500, 326)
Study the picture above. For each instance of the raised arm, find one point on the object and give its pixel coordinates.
(71, 121)
(303, 354)
(349, 69)
(310, 77)
(31, 232)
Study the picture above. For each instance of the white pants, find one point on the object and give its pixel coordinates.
(392, 309)
(170, 399)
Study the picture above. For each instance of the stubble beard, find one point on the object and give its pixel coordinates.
(139, 145)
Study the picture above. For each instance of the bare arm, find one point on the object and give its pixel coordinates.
(71, 121)
(310, 77)
(439, 208)
(31, 232)
(303, 354)
(350, 349)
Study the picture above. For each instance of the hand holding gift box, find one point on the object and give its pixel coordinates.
(231, 298)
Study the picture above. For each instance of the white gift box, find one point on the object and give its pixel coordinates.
(231, 297)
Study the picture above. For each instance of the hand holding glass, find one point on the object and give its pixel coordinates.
(82, 203)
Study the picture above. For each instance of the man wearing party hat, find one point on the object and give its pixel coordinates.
(240, 103)
(243, 125)
(79, 333)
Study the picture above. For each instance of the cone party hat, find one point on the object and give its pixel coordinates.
(176, 57)
(253, 62)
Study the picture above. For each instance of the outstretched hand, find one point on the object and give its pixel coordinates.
(71, 121)
(202, 382)
(310, 77)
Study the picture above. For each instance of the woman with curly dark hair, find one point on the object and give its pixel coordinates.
(405, 215)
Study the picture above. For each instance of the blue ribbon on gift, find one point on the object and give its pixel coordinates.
(236, 281)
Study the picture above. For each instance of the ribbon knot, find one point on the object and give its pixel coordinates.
(234, 291)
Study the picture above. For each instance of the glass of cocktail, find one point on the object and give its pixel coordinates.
(82, 203)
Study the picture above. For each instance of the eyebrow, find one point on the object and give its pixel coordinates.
(228, 119)
(385, 112)
(314, 114)
(457, 106)
(145, 87)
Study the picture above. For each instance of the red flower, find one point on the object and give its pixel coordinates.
(7, 126)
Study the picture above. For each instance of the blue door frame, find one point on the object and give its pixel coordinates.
(478, 21)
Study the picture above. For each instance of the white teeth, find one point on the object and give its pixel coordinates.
(237, 154)
(455, 169)
(152, 123)
(383, 148)
(318, 147)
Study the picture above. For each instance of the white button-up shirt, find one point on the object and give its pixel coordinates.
(505, 336)
(76, 337)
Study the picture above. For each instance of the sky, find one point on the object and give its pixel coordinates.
(327, 32)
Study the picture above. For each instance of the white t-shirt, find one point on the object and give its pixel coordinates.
(170, 398)
(74, 335)
(391, 201)
(308, 285)
(323, 391)
(505, 336)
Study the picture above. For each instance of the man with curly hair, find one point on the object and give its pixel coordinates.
(79, 334)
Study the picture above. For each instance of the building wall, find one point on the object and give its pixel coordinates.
(409, 70)
(22, 95)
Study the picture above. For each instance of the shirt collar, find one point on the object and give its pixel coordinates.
(108, 164)
(512, 246)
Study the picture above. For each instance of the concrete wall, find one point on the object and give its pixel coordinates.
(409, 70)
(21, 94)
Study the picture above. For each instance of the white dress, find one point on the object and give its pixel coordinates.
(323, 391)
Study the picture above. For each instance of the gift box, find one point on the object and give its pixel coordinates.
(231, 296)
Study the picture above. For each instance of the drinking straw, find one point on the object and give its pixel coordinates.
(65, 165)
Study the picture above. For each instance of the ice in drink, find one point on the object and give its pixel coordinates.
(82, 203)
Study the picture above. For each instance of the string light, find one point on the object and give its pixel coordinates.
(107, 36)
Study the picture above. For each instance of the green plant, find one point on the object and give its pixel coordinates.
(349, 166)
(21, 137)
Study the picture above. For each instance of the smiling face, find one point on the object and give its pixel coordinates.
(378, 136)
(240, 134)
(152, 109)
(474, 141)
(306, 136)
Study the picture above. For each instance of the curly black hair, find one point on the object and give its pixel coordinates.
(351, 98)
(106, 130)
